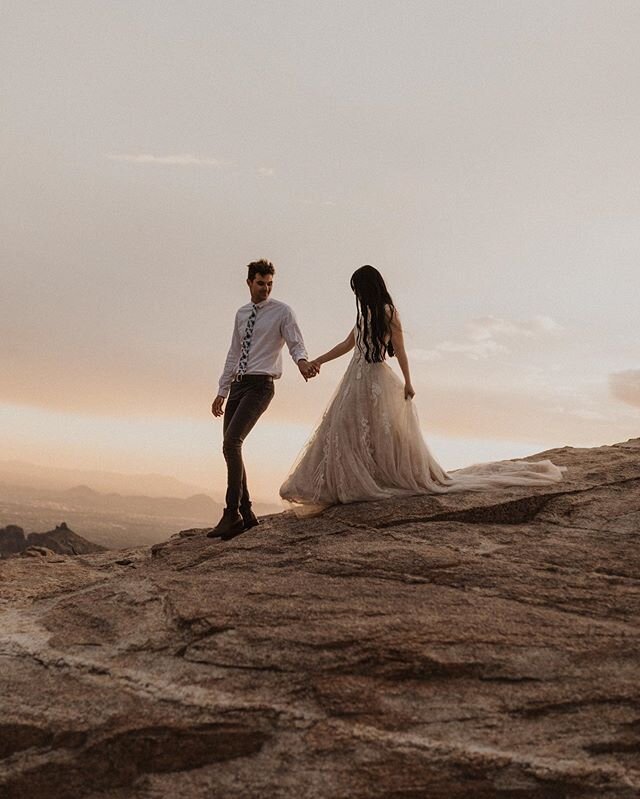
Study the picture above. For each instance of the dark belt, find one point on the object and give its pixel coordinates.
(250, 378)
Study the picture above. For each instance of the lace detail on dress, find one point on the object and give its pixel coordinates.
(339, 466)
(386, 424)
(366, 435)
(376, 391)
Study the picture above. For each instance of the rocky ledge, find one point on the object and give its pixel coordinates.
(476, 645)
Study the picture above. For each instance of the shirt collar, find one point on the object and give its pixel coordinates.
(261, 304)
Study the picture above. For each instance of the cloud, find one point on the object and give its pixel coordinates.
(589, 414)
(625, 386)
(482, 348)
(492, 326)
(183, 159)
(491, 335)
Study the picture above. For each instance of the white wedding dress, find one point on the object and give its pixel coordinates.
(369, 446)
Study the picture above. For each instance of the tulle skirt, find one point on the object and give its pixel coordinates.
(369, 446)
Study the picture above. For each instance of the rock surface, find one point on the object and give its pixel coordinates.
(476, 645)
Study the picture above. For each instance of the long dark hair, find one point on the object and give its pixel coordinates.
(372, 298)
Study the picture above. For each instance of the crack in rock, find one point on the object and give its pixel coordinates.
(118, 760)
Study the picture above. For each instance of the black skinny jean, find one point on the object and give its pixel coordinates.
(248, 399)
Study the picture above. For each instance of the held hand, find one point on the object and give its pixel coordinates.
(307, 370)
(409, 392)
(316, 365)
(216, 406)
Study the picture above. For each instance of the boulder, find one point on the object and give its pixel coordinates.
(12, 540)
(36, 552)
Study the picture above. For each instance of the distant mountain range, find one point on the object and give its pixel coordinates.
(114, 520)
(61, 540)
(198, 506)
(22, 473)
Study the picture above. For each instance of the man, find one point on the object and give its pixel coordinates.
(254, 361)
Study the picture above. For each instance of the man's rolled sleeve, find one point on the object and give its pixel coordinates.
(231, 362)
(292, 335)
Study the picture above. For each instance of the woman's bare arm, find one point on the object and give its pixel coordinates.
(340, 349)
(397, 337)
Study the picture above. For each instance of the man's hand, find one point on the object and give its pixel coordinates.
(216, 406)
(307, 370)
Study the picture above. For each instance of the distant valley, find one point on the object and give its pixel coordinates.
(112, 520)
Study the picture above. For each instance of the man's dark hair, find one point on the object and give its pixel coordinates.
(261, 268)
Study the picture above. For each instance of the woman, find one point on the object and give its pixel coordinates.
(369, 444)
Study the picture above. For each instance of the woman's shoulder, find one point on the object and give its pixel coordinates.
(391, 312)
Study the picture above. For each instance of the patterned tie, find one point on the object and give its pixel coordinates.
(246, 341)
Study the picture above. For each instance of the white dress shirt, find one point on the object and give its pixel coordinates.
(276, 325)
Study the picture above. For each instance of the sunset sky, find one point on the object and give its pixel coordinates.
(483, 155)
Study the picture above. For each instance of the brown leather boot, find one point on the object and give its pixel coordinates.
(249, 518)
(231, 523)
